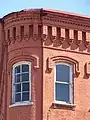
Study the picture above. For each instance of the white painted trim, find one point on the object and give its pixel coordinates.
(64, 103)
(13, 88)
(71, 99)
(21, 62)
(20, 104)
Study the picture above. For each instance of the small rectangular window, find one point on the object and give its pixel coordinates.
(63, 82)
(21, 82)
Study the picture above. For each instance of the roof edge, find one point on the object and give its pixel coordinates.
(48, 10)
(68, 13)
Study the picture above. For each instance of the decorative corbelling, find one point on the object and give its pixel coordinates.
(71, 36)
(56, 17)
(78, 42)
(53, 38)
(17, 19)
(26, 36)
(70, 41)
(87, 43)
(73, 22)
(35, 37)
(68, 18)
(12, 39)
(44, 37)
(22, 16)
(50, 16)
(8, 41)
(62, 39)
(18, 38)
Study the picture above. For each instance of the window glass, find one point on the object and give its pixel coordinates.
(17, 69)
(62, 73)
(25, 87)
(18, 97)
(18, 88)
(17, 78)
(25, 96)
(62, 92)
(21, 82)
(25, 77)
(25, 68)
(63, 82)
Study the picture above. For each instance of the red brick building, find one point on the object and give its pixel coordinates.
(45, 66)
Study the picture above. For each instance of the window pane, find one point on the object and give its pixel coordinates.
(18, 97)
(17, 69)
(25, 87)
(17, 87)
(25, 68)
(25, 96)
(62, 92)
(62, 73)
(17, 78)
(25, 77)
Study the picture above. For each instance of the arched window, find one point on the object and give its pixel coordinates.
(21, 82)
(63, 83)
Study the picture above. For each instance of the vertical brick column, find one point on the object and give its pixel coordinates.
(87, 38)
(45, 32)
(62, 34)
(79, 41)
(26, 32)
(18, 36)
(54, 33)
(35, 31)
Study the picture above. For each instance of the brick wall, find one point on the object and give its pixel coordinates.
(45, 37)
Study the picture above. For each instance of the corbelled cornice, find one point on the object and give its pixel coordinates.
(22, 16)
(73, 28)
(48, 15)
(74, 20)
(67, 16)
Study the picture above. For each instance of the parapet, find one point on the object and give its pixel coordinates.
(46, 24)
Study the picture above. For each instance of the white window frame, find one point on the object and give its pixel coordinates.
(71, 84)
(13, 85)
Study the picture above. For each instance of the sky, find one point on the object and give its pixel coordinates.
(75, 6)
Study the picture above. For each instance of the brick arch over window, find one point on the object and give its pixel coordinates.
(55, 59)
(32, 58)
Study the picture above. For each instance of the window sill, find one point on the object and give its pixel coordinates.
(20, 104)
(63, 105)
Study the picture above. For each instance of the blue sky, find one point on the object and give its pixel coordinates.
(76, 6)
